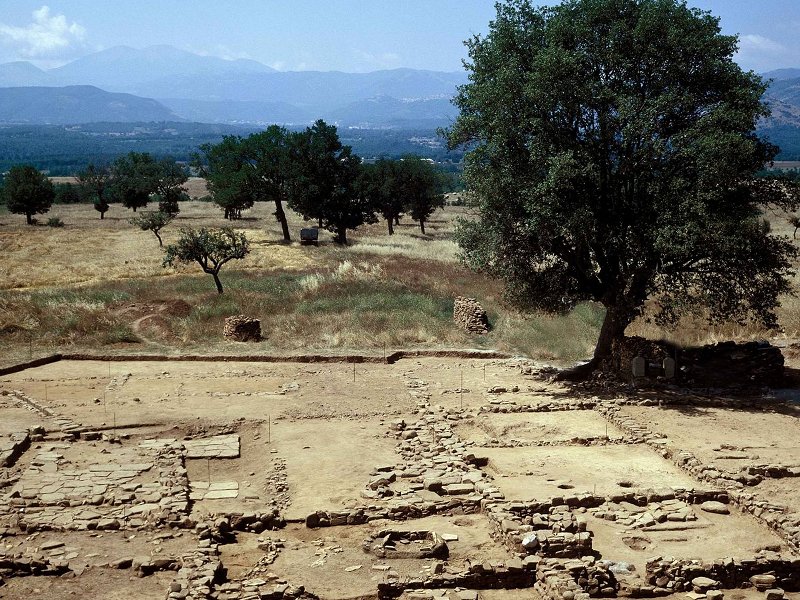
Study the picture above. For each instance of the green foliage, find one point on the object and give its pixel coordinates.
(210, 248)
(55, 222)
(137, 176)
(324, 185)
(241, 171)
(153, 221)
(95, 181)
(68, 193)
(613, 161)
(27, 192)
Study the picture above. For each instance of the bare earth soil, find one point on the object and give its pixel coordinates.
(205, 439)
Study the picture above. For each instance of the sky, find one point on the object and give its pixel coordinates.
(325, 35)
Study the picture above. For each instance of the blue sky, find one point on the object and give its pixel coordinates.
(344, 35)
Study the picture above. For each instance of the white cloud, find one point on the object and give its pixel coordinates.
(48, 36)
(758, 43)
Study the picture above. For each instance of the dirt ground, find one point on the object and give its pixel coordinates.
(310, 437)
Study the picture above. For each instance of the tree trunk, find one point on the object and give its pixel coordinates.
(29, 218)
(217, 282)
(160, 243)
(281, 216)
(391, 228)
(319, 223)
(422, 226)
(614, 324)
(341, 235)
(102, 215)
(397, 220)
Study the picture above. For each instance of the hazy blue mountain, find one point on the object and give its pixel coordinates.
(21, 73)
(214, 90)
(313, 90)
(237, 111)
(77, 104)
(780, 74)
(391, 111)
(124, 69)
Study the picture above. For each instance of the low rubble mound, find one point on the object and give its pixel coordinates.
(407, 544)
(240, 328)
(469, 314)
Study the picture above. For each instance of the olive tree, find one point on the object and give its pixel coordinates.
(27, 192)
(209, 248)
(153, 221)
(612, 151)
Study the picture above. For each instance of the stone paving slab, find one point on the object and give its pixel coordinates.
(219, 446)
(215, 490)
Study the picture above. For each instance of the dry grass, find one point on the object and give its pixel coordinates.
(99, 285)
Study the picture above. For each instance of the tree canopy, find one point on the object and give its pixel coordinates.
(154, 221)
(95, 181)
(27, 192)
(324, 184)
(241, 171)
(210, 248)
(613, 156)
(137, 176)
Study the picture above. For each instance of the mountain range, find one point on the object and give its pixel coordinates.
(211, 89)
(162, 83)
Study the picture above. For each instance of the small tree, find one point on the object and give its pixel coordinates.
(27, 192)
(228, 176)
(95, 181)
(324, 182)
(380, 182)
(421, 188)
(170, 177)
(210, 248)
(153, 221)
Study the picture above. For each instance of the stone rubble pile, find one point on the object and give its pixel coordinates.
(765, 570)
(469, 314)
(240, 328)
(545, 529)
(388, 543)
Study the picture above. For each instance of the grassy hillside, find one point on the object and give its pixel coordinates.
(99, 286)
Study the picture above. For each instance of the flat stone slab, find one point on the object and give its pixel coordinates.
(219, 446)
(216, 490)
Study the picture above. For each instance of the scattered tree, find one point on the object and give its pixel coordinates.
(169, 190)
(27, 192)
(612, 161)
(241, 171)
(153, 221)
(227, 177)
(67, 193)
(324, 184)
(381, 184)
(421, 188)
(137, 176)
(95, 180)
(210, 248)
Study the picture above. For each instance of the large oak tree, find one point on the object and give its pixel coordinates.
(613, 155)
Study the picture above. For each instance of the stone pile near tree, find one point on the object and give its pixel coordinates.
(469, 314)
(240, 328)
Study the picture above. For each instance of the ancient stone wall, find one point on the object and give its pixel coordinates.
(469, 314)
(240, 328)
